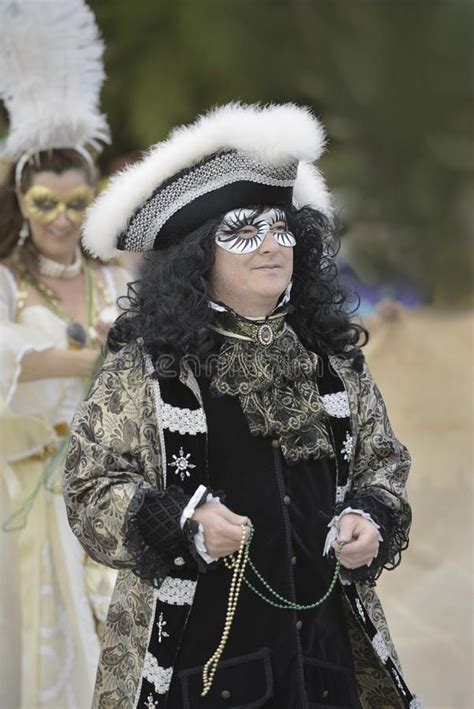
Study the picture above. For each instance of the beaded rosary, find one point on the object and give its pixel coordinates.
(237, 563)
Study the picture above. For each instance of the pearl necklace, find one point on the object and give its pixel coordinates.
(53, 269)
(239, 562)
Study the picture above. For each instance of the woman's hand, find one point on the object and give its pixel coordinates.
(361, 541)
(222, 528)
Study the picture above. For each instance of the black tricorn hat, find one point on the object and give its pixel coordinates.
(233, 156)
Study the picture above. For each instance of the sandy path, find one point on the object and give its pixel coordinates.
(423, 364)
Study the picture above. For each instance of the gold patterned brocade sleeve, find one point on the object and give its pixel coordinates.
(381, 467)
(113, 457)
(380, 459)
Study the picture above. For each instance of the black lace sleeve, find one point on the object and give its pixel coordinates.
(393, 529)
(153, 534)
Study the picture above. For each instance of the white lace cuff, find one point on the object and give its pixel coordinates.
(188, 513)
(11, 365)
(334, 527)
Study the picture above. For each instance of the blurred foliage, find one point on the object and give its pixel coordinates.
(391, 79)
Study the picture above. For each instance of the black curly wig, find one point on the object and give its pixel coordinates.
(168, 305)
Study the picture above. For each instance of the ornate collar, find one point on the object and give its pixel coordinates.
(262, 332)
(278, 391)
(53, 269)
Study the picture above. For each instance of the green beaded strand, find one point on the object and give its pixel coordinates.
(286, 604)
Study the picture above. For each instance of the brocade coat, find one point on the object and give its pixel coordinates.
(115, 458)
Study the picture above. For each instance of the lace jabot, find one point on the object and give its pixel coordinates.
(275, 379)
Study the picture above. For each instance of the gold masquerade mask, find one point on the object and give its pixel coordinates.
(44, 205)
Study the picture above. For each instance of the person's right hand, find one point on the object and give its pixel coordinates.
(222, 528)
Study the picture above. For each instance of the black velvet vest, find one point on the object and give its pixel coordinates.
(274, 657)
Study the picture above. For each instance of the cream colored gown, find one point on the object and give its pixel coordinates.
(53, 597)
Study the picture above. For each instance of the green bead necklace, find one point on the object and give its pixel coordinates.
(285, 603)
(237, 563)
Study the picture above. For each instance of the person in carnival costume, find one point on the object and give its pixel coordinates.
(233, 457)
(56, 305)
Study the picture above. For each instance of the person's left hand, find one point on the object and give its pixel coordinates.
(361, 539)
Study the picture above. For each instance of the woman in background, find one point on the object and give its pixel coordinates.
(55, 309)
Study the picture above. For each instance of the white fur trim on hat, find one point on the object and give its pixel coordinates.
(310, 189)
(273, 134)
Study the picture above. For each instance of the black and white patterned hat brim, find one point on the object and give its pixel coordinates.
(230, 157)
(221, 183)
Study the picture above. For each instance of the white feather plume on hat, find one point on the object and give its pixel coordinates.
(274, 135)
(51, 74)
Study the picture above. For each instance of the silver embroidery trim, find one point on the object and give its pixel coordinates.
(336, 405)
(159, 677)
(182, 463)
(399, 682)
(380, 647)
(223, 170)
(341, 492)
(150, 702)
(175, 591)
(347, 447)
(337, 365)
(360, 609)
(150, 630)
(416, 703)
(182, 421)
(162, 633)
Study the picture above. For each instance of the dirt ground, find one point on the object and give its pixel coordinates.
(423, 364)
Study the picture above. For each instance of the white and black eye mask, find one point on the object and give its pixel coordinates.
(243, 230)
